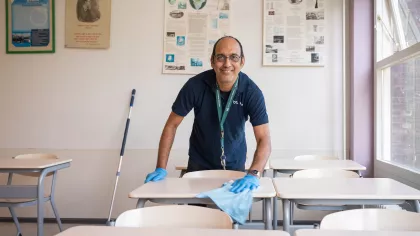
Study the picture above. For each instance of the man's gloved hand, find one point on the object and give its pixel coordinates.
(156, 175)
(247, 182)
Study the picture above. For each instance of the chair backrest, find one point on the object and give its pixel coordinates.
(372, 219)
(214, 174)
(35, 156)
(314, 157)
(177, 216)
(325, 173)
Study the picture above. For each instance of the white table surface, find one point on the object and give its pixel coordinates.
(126, 231)
(288, 164)
(317, 232)
(183, 165)
(190, 187)
(351, 188)
(9, 163)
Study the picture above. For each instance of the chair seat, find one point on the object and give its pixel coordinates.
(20, 200)
(16, 200)
(321, 207)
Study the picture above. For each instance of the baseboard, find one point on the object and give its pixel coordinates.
(100, 221)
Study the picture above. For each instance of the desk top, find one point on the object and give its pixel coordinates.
(161, 231)
(351, 188)
(9, 163)
(317, 232)
(287, 164)
(183, 165)
(190, 187)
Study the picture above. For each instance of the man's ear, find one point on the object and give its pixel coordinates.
(242, 61)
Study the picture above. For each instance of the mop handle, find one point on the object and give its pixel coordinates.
(127, 124)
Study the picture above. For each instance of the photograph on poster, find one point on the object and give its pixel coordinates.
(314, 57)
(278, 39)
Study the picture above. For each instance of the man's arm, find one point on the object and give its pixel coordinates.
(167, 139)
(262, 136)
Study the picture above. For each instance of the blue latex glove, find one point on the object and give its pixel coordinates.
(156, 175)
(248, 182)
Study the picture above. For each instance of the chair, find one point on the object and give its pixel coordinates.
(372, 219)
(177, 216)
(314, 157)
(215, 174)
(321, 173)
(13, 203)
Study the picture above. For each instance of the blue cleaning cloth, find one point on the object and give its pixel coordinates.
(236, 205)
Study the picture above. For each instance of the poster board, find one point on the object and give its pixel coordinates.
(191, 29)
(294, 33)
(88, 24)
(30, 26)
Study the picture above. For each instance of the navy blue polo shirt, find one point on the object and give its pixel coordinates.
(199, 93)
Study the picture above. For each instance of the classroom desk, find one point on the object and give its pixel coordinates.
(43, 167)
(127, 231)
(183, 166)
(318, 232)
(184, 190)
(288, 166)
(353, 191)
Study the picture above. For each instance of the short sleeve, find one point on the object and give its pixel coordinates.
(184, 102)
(256, 108)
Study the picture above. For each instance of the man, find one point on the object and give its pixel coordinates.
(223, 98)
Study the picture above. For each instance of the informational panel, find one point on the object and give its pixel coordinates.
(191, 29)
(294, 33)
(30, 26)
(88, 23)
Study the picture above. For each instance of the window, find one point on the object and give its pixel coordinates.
(398, 83)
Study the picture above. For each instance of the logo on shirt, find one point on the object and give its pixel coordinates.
(236, 103)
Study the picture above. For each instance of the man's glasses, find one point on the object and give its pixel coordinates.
(232, 58)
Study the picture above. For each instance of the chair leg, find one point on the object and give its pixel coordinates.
(57, 217)
(292, 212)
(15, 219)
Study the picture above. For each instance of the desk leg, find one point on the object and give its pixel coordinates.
(286, 215)
(40, 203)
(275, 208)
(268, 220)
(141, 202)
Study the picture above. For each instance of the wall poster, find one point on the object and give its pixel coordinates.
(191, 29)
(88, 24)
(294, 32)
(30, 26)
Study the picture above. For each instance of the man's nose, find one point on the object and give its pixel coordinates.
(227, 62)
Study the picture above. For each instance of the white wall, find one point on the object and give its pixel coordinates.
(75, 102)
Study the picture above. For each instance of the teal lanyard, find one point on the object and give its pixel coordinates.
(222, 118)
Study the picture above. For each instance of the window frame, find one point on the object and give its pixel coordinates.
(384, 168)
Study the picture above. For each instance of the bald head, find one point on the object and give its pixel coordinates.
(229, 38)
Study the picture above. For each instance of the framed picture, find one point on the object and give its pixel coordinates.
(30, 26)
(88, 24)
